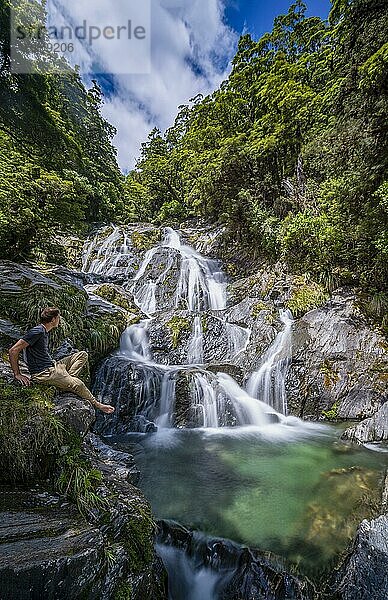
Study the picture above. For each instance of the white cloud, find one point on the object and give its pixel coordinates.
(191, 49)
(190, 52)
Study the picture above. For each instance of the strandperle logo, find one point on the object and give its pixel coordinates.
(107, 36)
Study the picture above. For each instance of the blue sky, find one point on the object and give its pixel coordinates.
(258, 15)
(192, 45)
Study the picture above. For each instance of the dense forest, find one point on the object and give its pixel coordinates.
(58, 168)
(291, 152)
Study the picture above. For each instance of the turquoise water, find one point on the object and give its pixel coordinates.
(296, 491)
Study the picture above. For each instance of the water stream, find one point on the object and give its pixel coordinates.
(220, 457)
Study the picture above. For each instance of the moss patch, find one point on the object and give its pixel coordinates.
(332, 414)
(30, 435)
(330, 374)
(146, 240)
(113, 295)
(305, 296)
(124, 592)
(177, 325)
(78, 480)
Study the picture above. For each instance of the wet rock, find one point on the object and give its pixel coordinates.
(163, 274)
(364, 573)
(126, 520)
(112, 463)
(140, 424)
(117, 252)
(9, 334)
(204, 238)
(130, 388)
(171, 335)
(64, 350)
(193, 388)
(116, 295)
(339, 363)
(49, 553)
(232, 370)
(77, 414)
(6, 373)
(243, 573)
(374, 429)
(67, 276)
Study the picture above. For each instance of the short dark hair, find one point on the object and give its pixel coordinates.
(49, 313)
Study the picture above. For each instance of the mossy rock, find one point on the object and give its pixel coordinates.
(24, 292)
(145, 240)
(102, 332)
(178, 325)
(115, 295)
(30, 434)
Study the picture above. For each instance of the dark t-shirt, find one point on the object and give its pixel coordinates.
(37, 355)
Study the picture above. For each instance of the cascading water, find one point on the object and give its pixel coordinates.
(109, 256)
(197, 285)
(268, 382)
(201, 285)
(195, 354)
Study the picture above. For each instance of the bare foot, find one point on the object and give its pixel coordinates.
(106, 408)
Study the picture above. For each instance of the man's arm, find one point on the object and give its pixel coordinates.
(14, 360)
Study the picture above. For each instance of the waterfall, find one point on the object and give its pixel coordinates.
(134, 343)
(204, 400)
(197, 285)
(200, 283)
(268, 382)
(167, 400)
(110, 256)
(195, 353)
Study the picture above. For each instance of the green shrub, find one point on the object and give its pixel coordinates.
(306, 297)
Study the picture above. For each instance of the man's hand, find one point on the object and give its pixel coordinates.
(24, 380)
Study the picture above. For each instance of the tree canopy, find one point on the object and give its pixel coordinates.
(58, 168)
(291, 151)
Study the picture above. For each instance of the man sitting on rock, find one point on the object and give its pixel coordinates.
(43, 369)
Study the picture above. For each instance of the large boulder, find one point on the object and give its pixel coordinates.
(76, 414)
(339, 365)
(364, 573)
(47, 551)
(374, 429)
(88, 321)
(131, 388)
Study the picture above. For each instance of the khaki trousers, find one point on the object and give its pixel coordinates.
(63, 375)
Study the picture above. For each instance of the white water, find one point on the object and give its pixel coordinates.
(249, 410)
(200, 286)
(107, 256)
(195, 353)
(268, 382)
